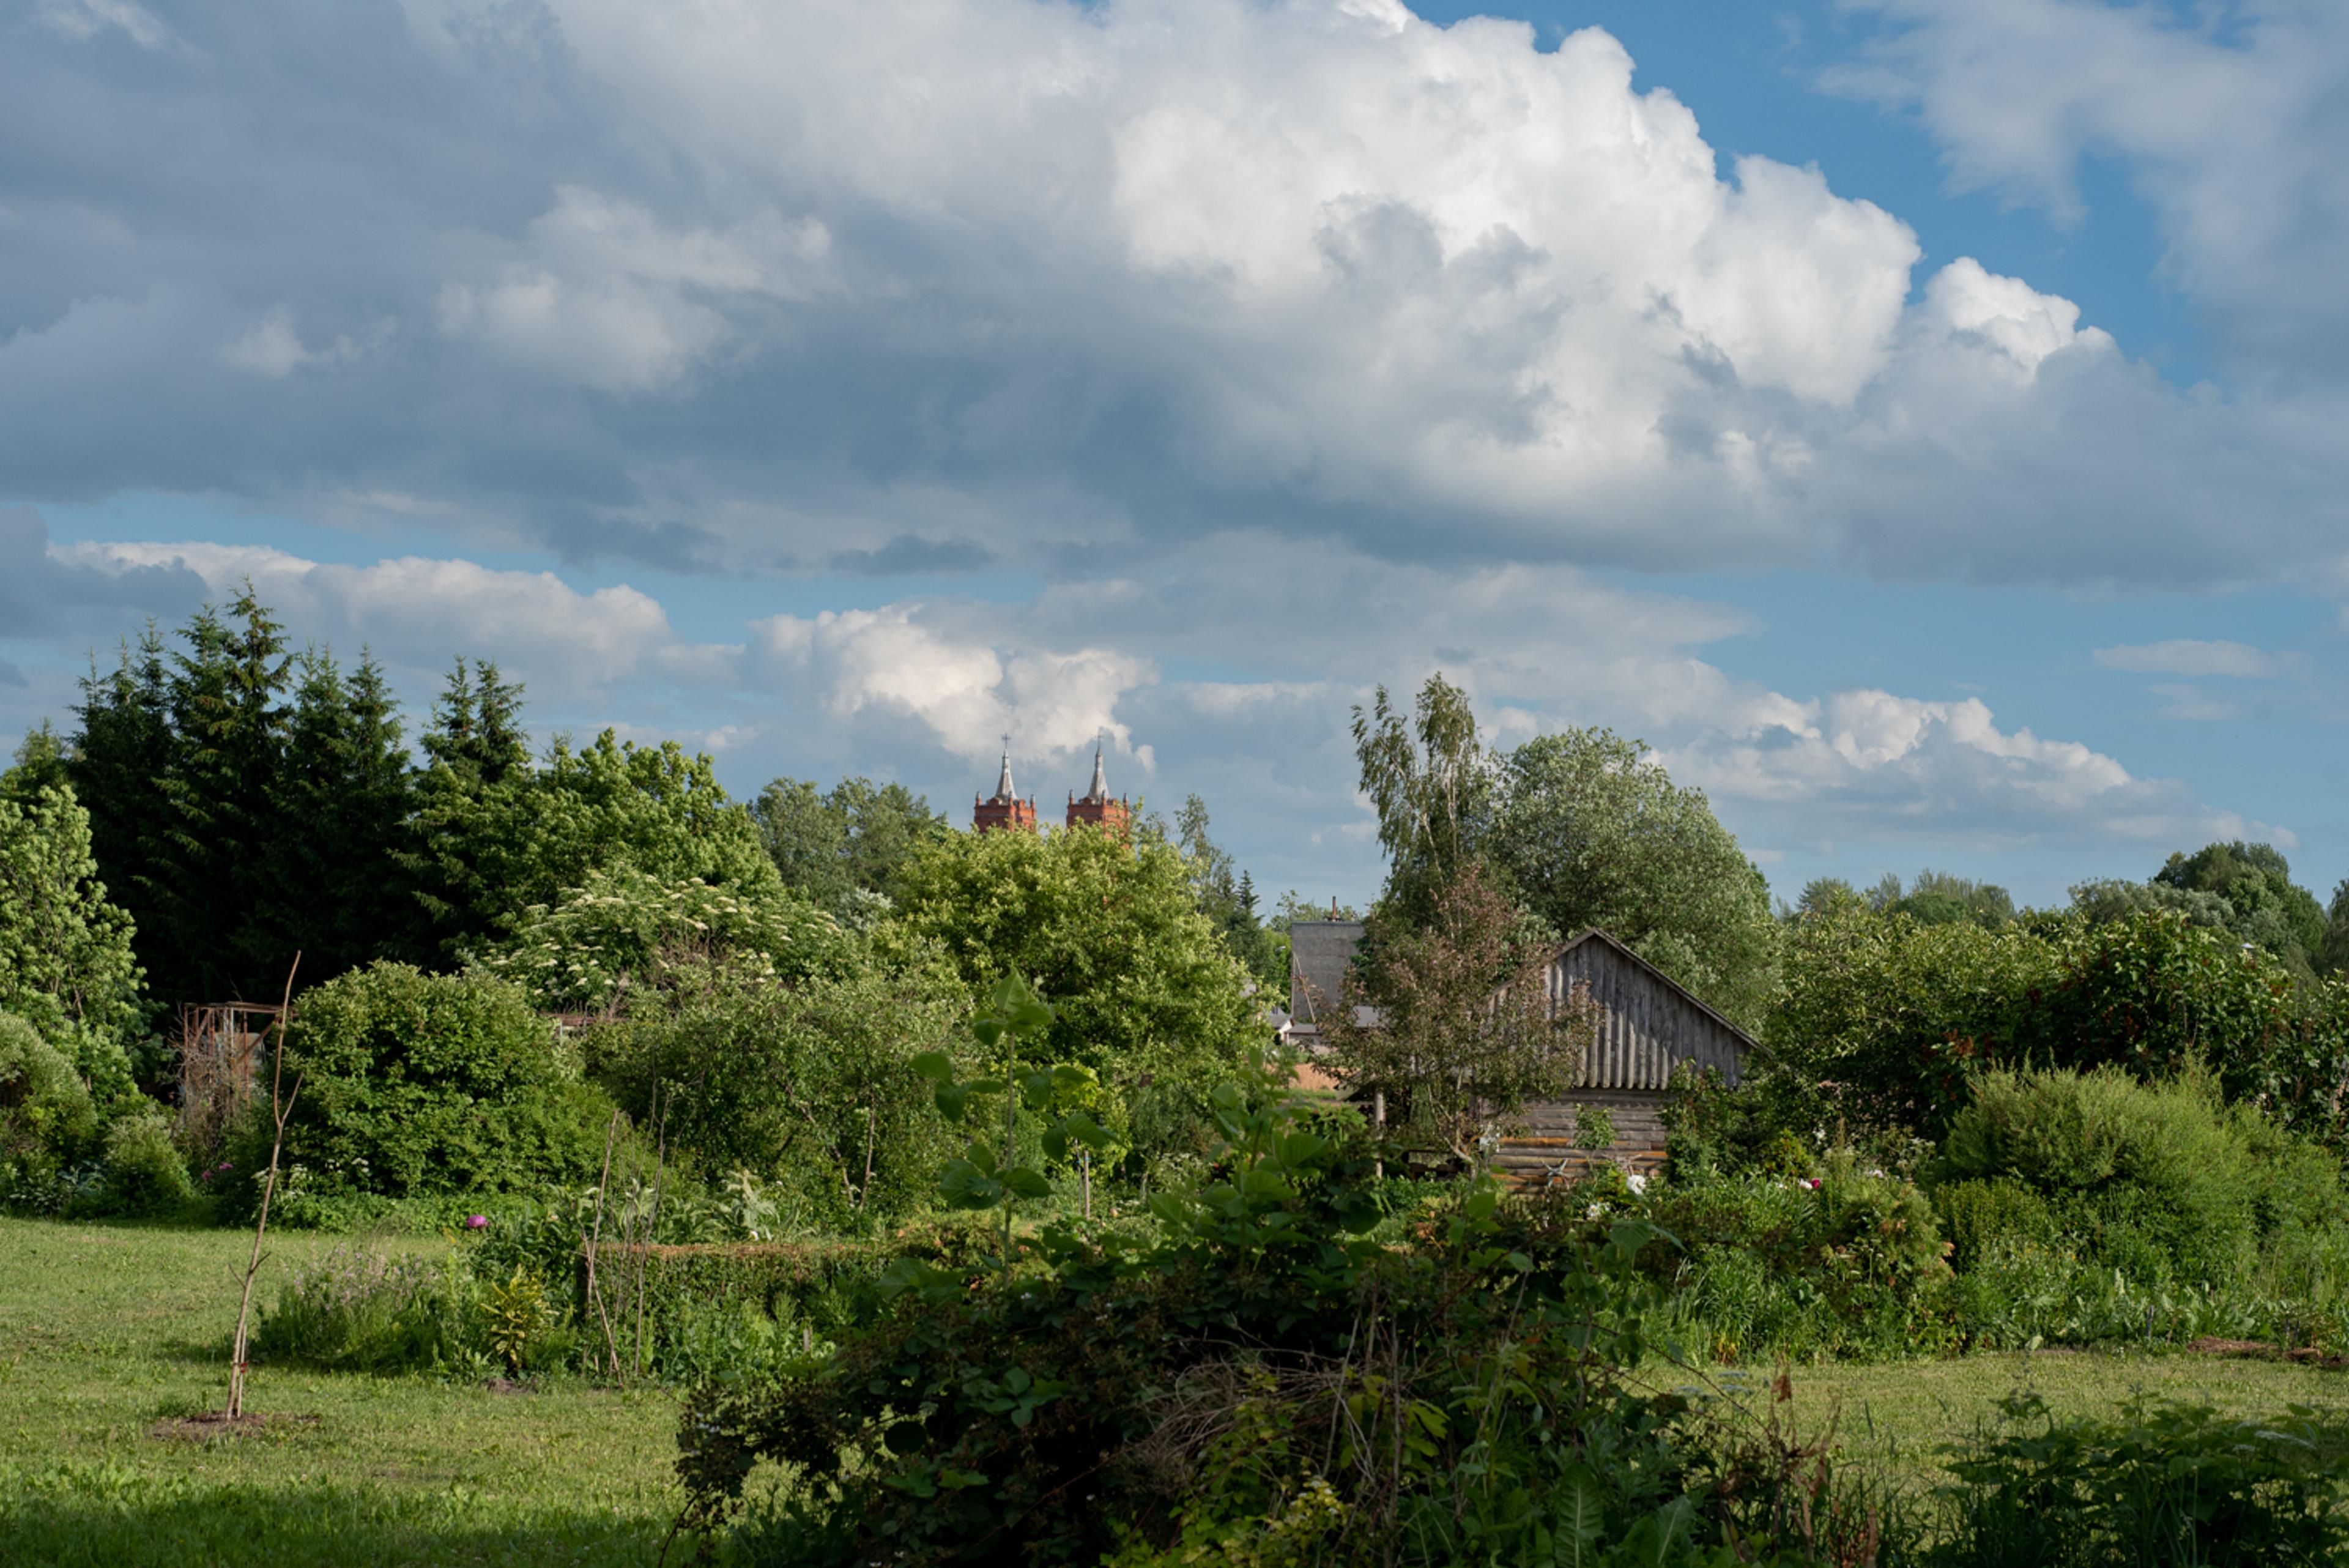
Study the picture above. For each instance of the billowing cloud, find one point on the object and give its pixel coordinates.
(748, 286)
(974, 696)
(2227, 118)
(422, 611)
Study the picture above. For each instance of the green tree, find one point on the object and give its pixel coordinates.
(1900, 1015)
(1590, 832)
(1431, 780)
(210, 871)
(496, 838)
(2255, 879)
(2333, 958)
(1227, 895)
(41, 764)
(1463, 1033)
(1938, 898)
(1105, 925)
(120, 751)
(832, 845)
(477, 767)
(337, 891)
(65, 961)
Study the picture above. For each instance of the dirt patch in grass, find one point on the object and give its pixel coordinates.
(212, 1425)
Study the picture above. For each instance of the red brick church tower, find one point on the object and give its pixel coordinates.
(1096, 806)
(1006, 811)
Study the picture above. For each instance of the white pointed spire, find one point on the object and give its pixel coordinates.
(1003, 784)
(1100, 790)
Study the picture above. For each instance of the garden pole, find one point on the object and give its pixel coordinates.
(280, 1110)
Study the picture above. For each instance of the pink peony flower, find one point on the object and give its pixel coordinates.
(477, 1222)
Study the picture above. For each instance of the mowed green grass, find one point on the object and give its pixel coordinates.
(1900, 1413)
(108, 1329)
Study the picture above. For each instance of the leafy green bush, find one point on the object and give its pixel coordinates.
(146, 1173)
(2158, 1179)
(626, 929)
(413, 1084)
(810, 1085)
(2155, 1485)
(1256, 1381)
(1847, 1262)
(46, 1120)
(1979, 1217)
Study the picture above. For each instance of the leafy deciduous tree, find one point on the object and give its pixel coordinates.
(1105, 925)
(1591, 831)
(65, 961)
(853, 838)
(1431, 780)
(1464, 1032)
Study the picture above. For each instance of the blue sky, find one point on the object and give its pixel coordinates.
(1922, 420)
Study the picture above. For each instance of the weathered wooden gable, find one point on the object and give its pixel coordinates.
(1650, 1024)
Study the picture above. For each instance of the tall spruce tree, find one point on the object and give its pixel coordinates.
(478, 763)
(338, 892)
(211, 871)
(116, 762)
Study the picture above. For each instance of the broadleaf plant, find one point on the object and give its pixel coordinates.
(984, 1178)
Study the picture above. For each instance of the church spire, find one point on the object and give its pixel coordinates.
(1095, 806)
(1003, 785)
(1004, 809)
(1100, 790)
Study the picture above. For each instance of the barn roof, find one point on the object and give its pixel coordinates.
(1319, 953)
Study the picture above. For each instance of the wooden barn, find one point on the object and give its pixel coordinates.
(1649, 1025)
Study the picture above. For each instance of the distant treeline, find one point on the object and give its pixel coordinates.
(248, 799)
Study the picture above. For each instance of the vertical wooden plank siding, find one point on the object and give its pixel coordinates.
(1648, 1027)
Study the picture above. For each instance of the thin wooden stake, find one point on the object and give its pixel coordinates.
(280, 1110)
(594, 1291)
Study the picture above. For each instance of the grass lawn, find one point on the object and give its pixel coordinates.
(1901, 1411)
(107, 1329)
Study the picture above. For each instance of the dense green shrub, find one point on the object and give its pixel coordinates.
(808, 1084)
(413, 1084)
(2158, 1179)
(1848, 1262)
(46, 1120)
(1255, 1381)
(1979, 1217)
(146, 1173)
(2152, 1486)
(1890, 1019)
